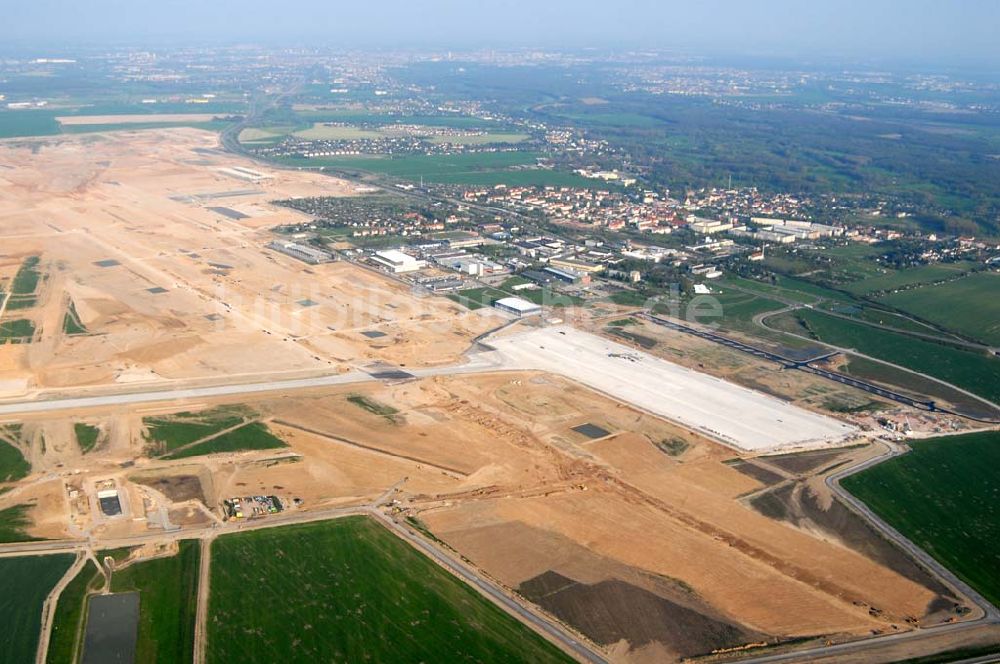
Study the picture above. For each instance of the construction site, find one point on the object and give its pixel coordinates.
(161, 286)
(178, 378)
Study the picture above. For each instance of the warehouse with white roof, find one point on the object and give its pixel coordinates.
(518, 306)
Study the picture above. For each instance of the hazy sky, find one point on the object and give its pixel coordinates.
(925, 29)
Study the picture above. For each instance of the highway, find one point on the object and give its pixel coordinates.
(857, 647)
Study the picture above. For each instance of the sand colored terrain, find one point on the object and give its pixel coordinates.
(654, 552)
(170, 289)
(648, 538)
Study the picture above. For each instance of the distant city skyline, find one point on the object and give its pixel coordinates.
(918, 30)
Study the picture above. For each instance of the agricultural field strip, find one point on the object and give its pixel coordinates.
(453, 564)
(990, 615)
(880, 360)
(738, 416)
(990, 612)
(502, 597)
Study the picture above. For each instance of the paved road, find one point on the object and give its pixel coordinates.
(151, 394)
(118, 395)
(851, 351)
(985, 659)
(49, 608)
(855, 647)
(989, 613)
(554, 631)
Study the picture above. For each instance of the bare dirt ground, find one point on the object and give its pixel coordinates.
(645, 536)
(168, 288)
(635, 531)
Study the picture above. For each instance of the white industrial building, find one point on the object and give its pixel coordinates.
(708, 226)
(303, 252)
(397, 262)
(518, 306)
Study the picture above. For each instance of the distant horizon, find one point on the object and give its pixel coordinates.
(916, 31)
(755, 59)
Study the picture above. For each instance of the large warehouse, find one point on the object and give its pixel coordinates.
(517, 306)
(396, 261)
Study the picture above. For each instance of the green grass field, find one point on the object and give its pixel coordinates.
(19, 302)
(486, 168)
(349, 590)
(884, 318)
(67, 623)
(739, 308)
(630, 298)
(943, 497)
(372, 406)
(967, 369)
(534, 177)
(355, 116)
(337, 132)
(16, 331)
(477, 298)
(71, 321)
(169, 432)
(13, 524)
(252, 436)
(969, 306)
(13, 465)
(168, 590)
(918, 385)
(481, 139)
(22, 124)
(901, 278)
(25, 582)
(337, 129)
(769, 289)
(27, 277)
(86, 436)
(430, 166)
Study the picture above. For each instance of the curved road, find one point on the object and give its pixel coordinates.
(760, 319)
(520, 609)
(989, 613)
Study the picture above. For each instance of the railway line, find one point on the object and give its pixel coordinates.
(807, 367)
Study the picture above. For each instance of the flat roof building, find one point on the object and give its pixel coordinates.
(576, 265)
(396, 261)
(518, 307)
(303, 252)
